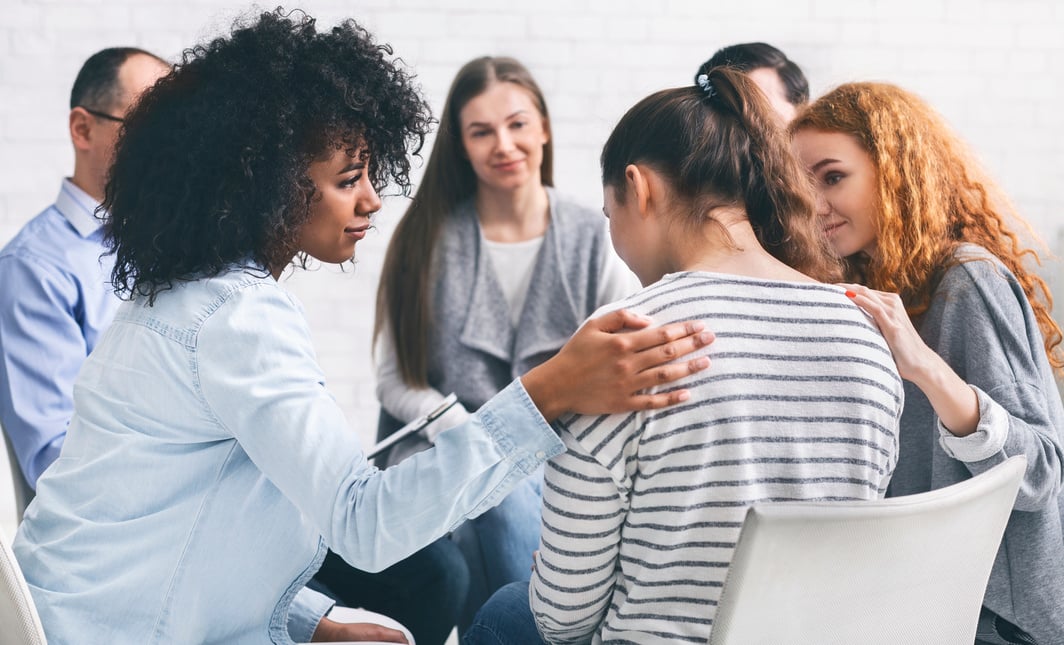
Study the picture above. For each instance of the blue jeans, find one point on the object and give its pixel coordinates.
(498, 545)
(505, 619)
(424, 592)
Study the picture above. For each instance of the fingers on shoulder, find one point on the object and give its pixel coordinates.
(620, 319)
(660, 400)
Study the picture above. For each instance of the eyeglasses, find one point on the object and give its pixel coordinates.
(103, 115)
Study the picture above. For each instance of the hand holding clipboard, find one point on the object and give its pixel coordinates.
(413, 427)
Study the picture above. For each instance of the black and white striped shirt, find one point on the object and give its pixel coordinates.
(641, 514)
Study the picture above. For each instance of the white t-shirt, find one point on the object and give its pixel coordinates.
(514, 264)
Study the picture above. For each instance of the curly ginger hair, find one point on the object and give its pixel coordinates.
(932, 196)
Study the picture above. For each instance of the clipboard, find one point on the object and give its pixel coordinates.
(414, 426)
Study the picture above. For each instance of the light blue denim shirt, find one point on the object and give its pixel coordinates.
(206, 468)
(55, 301)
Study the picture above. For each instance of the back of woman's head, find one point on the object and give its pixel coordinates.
(449, 179)
(211, 168)
(718, 144)
(746, 57)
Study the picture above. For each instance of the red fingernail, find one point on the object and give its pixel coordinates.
(850, 294)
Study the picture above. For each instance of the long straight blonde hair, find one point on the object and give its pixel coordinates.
(405, 292)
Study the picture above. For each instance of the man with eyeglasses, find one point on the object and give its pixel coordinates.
(56, 298)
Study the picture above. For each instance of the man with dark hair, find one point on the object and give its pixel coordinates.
(57, 297)
(780, 78)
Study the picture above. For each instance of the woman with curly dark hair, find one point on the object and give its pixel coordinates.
(206, 467)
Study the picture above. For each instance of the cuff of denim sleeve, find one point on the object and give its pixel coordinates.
(307, 610)
(456, 416)
(519, 430)
(988, 438)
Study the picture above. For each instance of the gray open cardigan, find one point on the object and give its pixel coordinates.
(474, 351)
(982, 324)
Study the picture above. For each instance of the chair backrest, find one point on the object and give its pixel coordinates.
(909, 569)
(23, 492)
(19, 623)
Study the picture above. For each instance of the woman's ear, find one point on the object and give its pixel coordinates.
(638, 185)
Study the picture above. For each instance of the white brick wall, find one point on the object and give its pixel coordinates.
(993, 67)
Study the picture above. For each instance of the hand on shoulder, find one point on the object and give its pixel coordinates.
(601, 370)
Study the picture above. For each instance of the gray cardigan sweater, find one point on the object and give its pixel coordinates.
(474, 349)
(982, 324)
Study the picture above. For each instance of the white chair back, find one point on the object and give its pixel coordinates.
(19, 623)
(909, 569)
(23, 492)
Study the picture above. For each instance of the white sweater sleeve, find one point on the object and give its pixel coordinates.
(404, 402)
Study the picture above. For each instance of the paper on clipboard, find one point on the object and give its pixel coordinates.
(414, 426)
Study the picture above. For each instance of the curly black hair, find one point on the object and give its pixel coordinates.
(211, 166)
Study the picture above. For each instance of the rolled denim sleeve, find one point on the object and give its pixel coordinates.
(304, 614)
(262, 383)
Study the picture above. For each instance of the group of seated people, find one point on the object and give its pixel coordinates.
(785, 301)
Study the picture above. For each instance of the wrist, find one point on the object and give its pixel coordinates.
(954, 401)
(930, 372)
(544, 392)
(965, 417)
(325, 632)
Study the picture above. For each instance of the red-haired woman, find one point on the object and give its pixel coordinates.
(935, 249)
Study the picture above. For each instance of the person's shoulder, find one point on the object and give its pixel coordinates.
(978, 283)
(646, 298)
(581, 232)
(247, 306)
(237, 290)
(42, 236)
(457, 227)
(240, 283)
(973, 266)
(574, 212)
(47, 247)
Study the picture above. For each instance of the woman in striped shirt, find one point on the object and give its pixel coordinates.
(641, 514)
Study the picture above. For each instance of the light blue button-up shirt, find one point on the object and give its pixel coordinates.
(207, 467)
(55, 300)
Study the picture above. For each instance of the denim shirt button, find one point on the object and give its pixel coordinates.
(540, 454)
